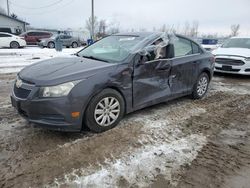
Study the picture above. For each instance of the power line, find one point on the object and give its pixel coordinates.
(47, 6)
(46, 12)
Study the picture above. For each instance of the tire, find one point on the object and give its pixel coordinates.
(51, 45)
(201, 86)
(74, 45)
(104, 111)
(14, 45)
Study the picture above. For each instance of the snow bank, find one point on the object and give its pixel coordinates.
(13, 60)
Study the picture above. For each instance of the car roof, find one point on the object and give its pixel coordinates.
(6, 33)
(139, 34)
(241, 37)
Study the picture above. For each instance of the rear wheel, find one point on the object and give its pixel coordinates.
(14, 44)
(51, 45)
(74, 45)
(201, 86)
(105, 111)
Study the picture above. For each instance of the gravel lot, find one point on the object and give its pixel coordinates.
(182, 143)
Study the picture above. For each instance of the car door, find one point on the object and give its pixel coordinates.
(2, 40)
(66, 40)
(5, 40)
(150, 80)
(183, 71)
(31, 38)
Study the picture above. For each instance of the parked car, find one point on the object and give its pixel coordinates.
(233, 56)
(8, 40)
(210, 44)
(112, 77)
(33, 37)
(67, 41)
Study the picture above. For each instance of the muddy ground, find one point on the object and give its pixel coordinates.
(182, 143)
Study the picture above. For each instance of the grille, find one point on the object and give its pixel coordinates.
(225, 61)
(21, 93)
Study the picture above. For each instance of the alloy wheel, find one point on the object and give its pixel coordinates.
(107, 111)
(202, 86)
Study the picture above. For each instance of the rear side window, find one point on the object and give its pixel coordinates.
(4, 35)
(196, 48)
(182, 47)
(43, 34)
(30, 34)
(67, 37)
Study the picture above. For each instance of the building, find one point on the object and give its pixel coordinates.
(12, 25)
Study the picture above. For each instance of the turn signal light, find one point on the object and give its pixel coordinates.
(75, 114)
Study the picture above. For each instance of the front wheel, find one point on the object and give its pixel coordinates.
(201, 86)
(14, 45)
(104, 111)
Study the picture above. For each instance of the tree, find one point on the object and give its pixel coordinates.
(13, 15)
(89, 25)
(235, 29)
(194, 29)
(102, 27)
(186, 28)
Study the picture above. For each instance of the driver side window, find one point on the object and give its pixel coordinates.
(158, 52)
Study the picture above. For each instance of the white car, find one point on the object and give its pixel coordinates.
(8, 40)
(233, 56)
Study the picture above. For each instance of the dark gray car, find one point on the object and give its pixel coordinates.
(67, 41)
(115, 76)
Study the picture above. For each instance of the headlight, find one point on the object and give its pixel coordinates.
(57, 91)
(248, 59)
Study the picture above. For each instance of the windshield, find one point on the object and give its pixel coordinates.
(237, 43)
(111, 49)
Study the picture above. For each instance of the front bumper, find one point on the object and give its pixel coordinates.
(50, 113)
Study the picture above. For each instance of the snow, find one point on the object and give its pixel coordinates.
(13, 60)
(141, 168)
(164, 149)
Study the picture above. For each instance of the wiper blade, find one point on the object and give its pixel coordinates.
(95, 58)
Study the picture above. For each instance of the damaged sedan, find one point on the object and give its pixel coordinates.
(115, 76)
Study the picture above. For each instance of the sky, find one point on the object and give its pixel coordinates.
(214, 16)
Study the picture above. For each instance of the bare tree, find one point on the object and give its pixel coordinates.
(194, 29)
(235, 29)
(13, 15)
(102, 28)
(186, 28)
(163, 28)
(89, 25)
(114, 27)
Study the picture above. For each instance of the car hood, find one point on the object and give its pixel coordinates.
(63, 69)
(243, 52)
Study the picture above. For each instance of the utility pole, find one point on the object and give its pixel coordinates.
(8, 8)
(92, 22)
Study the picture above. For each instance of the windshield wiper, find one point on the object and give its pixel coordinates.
(94, 58)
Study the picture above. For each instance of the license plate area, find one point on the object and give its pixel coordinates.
(226, 68)
(15, 103)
